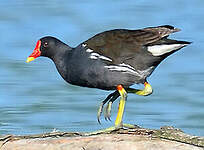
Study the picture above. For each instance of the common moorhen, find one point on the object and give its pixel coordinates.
(112, 60)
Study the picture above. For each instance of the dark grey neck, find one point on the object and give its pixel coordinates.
(60, 60)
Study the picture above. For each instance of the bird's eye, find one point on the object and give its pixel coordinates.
(45, 44)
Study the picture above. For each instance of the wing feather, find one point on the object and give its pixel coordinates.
(120, 44)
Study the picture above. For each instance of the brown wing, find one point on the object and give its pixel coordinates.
(120, 44)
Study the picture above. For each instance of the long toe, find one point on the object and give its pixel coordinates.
(107, 112)
(130, 126)
(103, 131)
(100, 109)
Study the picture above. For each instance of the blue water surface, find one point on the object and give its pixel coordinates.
(35, 99)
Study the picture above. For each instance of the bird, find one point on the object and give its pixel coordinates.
(112, 60)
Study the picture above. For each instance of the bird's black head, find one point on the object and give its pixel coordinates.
(47, 47)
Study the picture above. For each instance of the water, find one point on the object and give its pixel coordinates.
(35, 99)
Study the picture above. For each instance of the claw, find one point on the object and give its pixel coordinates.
(107, 114)
(100, 109)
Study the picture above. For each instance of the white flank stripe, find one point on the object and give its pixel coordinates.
(89, 50)
(93, 57)
(158, 50)
(122, 69)
(126, 65)
(95, 54)
(105, 58)
(139, 73)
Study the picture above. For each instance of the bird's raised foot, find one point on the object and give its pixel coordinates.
(145, 92)
(107, 113)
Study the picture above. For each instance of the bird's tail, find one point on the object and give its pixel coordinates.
(165, 47)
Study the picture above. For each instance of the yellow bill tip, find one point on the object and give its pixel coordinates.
(30, 59)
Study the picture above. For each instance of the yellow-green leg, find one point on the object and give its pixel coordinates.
(121, 107)
(145, 92)
(123, 97)
(118, 121)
